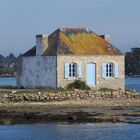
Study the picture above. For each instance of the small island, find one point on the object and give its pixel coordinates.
(69, 105)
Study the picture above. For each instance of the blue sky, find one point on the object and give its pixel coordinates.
(21, 20)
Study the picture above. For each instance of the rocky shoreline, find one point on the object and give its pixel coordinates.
(69, 106)
(82, 115)
(7, 75)
(15, 96)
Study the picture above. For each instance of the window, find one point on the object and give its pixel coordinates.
(72, 70)
(109, 70)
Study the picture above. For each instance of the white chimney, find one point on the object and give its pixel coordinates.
(41, 44)
(106, 37)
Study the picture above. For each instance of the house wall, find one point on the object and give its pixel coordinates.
(98, 60)
(38, 71)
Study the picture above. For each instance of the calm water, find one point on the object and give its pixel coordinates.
(59, 131)
(66, 131)
(8, 81)
(132, 83)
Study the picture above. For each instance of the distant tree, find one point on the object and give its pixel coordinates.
(2, 61)
(19, 59)
(9, 64)
(132, 62)
(10, 59)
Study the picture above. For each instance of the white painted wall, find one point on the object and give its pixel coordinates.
(37, 71)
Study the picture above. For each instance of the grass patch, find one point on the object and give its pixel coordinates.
(42, 90)
(77, 84)
(60, 89)
(106, 89)
(7, 87)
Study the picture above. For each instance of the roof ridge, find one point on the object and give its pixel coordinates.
(63, 29)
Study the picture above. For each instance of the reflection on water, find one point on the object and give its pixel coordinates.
(11, 81)
(65, 131)
(133, 83)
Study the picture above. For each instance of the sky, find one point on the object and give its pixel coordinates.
(21, 20)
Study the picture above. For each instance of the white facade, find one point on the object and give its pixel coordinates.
(37, 71)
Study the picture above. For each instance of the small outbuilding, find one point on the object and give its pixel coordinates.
(69, 54)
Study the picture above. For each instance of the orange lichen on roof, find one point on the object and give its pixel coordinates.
(86, 44)
(78, 41)
(64, 39)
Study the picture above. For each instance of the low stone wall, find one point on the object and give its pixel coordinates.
(44, 96)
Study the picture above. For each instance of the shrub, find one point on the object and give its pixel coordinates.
(78, 84)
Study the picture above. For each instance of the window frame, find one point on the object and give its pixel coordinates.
(72, 70)
(109, 70)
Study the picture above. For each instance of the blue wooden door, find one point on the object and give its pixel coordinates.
(91, 74)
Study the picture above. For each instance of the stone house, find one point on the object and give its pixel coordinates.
(69, 54)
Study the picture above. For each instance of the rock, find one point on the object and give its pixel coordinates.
(76, 90)
(118, 96)
(7, 121)
(56, 97)
(47, 98)
(69, 95)
(136, 96)
(51, 97)
(63, 94)
(5, 95)
(92, 96)
(14, 91)
(115, 92)
(73, 118)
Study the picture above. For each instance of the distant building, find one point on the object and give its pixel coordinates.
(69, 54)
(12, 65)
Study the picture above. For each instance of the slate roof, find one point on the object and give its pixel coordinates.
(78, 41)
(31, 52)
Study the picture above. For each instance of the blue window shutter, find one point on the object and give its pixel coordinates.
(66, 70)
(79, 70)
(103, 70)
(116, 70)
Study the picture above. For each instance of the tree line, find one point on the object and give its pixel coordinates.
(132, 62)
(9, 64)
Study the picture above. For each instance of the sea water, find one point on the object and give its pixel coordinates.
(130, 82)
(133, 83)
(66, 131)
(10, 81)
